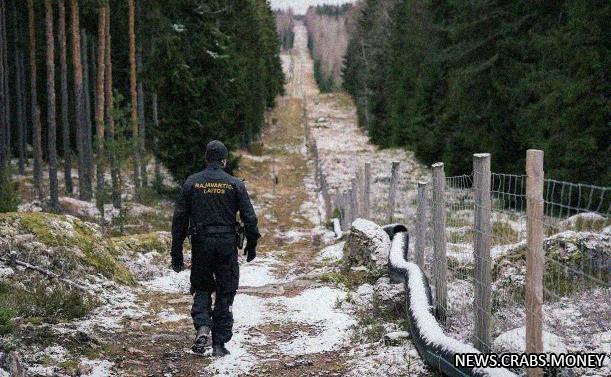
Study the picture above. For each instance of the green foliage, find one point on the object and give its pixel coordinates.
(41, 300)
(6, 317)
(325, 84)
(8, 194)
(449, 79)
(221, 70)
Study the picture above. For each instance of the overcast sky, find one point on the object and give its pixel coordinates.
(300, 6)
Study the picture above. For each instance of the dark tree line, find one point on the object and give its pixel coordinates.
(99, 85)
(448, 79)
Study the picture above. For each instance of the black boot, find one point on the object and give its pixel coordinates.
(219, 350)
(202, 340)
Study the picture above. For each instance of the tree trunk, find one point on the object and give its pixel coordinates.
(7, 97)
(5, 166)
(65, 100)
(51, 116)
(99, 110)
(134, 94)
(87, 147)
(114, 167)
(19, 88)
(5, 87)
(79, 105)
(155, 107)
(36, 132)
(141, 97)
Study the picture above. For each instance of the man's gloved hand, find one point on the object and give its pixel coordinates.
(178, 266)
(250, 250)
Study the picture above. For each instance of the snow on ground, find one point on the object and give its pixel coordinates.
(170, 283)
(332, 252)
(249, 312)
(313, 307)
(316, 307)
(119, 304)
(259, 272)
(171, 316)
(373, 360)
(97, 368)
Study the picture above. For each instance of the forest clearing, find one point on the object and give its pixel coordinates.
(371, 261)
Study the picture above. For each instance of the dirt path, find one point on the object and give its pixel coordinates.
(286, 321)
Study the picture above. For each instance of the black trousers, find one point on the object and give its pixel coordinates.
(214, 268)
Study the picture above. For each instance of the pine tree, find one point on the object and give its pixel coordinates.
(99, 110)
(114, 168)
(63, 62)
(51, 111)
(19, 86)
(36, 126)
(79, 99)
(134, 93)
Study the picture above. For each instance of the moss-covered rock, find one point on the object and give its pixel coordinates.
(63, 244)
(574, 261)
(144, 243)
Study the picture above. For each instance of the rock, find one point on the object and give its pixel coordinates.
(321, 120)
(84, 369)
(21, 239)
(11, 364)
(6, 272)
(588, 221)
(571, 250)
(367, 244)
(515, 341)
(389, 295)
(77, 207)
(396, 338)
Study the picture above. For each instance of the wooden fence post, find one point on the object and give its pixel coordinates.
(535, 258)
(354, 193)
(394, 180)
(421, 221)
(324, 189)
(482, 239)
(359, 190)
(367, 191)
(440, 264)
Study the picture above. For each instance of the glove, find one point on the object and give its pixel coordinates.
(178, 266)
(250, 250)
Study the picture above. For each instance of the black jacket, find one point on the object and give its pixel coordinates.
(211, 197)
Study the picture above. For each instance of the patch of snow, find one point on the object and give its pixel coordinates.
(119, 303)
(248, 312)
(317, 307)
(6, 272)
(99, 368)
(515, 341)
(258, 273)
(171, 316)
(332, 252)
(394, 361)
(171, 282)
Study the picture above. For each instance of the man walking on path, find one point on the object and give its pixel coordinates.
(207, 209)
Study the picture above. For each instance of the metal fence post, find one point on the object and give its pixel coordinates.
(367, 191)
(394, 180)
(440, 265)
(535, 255)
(482, 239)
(421, 217)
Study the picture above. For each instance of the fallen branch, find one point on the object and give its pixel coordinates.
(13, 261)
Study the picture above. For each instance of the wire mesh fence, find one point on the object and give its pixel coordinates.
(575, 254)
